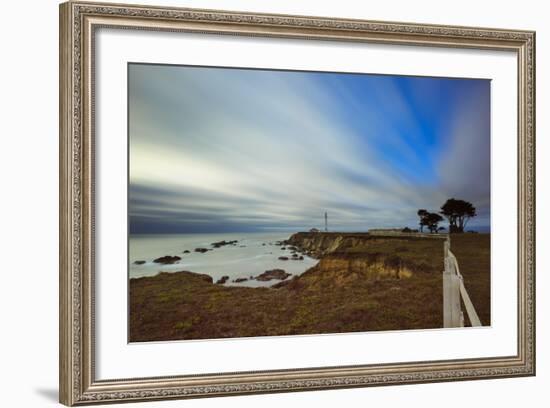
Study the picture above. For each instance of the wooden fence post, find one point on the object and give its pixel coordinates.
(447, 313)
(452, 312)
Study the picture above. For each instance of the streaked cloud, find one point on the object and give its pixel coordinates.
(216, 149)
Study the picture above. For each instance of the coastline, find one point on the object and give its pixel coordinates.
(236, 256)
(361, 283)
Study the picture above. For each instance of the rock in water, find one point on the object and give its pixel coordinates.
(280, 274)
(222, 280)
(167, 260)
(219, 244)
(139, 262)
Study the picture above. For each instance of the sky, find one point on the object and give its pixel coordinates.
(241, 150)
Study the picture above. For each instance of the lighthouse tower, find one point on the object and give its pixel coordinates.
(326, 222)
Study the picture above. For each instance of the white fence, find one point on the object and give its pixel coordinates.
(453, 291)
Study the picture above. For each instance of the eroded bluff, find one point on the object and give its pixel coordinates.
(346, 257)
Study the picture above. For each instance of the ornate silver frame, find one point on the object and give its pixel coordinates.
(78, 22)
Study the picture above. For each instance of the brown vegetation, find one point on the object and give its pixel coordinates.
(363, 284)
(473, 252)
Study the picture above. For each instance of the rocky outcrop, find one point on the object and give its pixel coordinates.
(319, 244)
(365, 266)
(222, 280)
(139, 262)
(347, 257)
(167, 259)
(280, 274)
(202, 250)
(220, 244)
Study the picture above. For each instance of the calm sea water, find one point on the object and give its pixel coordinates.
(248, 258)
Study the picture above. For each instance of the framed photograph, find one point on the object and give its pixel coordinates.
(256, 203)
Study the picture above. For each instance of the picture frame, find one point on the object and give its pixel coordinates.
(79, 24)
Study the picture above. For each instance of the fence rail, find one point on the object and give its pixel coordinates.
(453, 291)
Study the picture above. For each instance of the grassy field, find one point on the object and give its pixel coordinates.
(473, 252)
(354, 289)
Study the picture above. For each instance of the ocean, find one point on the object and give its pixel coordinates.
(249, 257)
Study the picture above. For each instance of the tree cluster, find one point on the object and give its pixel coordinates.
(430, 221)
(457, 212)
